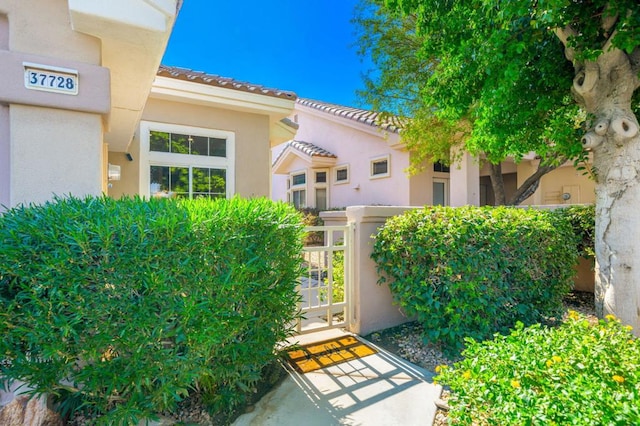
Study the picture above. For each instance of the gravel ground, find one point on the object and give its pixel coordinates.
(406, 342)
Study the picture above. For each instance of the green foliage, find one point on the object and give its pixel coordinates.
(471, 272)
(583, 221)
(311, 217)
(575, 374)
(125, 307)
(482, 79)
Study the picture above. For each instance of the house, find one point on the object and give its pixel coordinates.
(86, 108)
(343, 156)
(203, 135)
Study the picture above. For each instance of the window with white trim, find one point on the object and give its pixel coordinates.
(320, 189)
(379, 167)
(298, 189)
(186, 162)
(341, 174)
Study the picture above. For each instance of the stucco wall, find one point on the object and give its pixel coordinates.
(51, 142)
(565, 179)
(252, 166)
(356, 147)
(60, 153)
(54, 36)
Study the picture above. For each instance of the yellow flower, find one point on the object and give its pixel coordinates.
(556, 358)
(610, 317)
(618, 379)
(515, 384)
(574, 315)
(549, 363)
(466, 375)
(440, 368)
(628, 327)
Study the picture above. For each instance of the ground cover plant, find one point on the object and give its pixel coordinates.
(472, 272)
(124, 308)
(579, 373)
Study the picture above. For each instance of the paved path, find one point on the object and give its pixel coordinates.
(379, 389)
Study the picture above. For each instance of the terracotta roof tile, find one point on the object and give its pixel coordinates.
(389, 122)
(223, 82)
(310, 149)
(306, 148)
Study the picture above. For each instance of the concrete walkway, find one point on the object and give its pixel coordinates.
(379, 389)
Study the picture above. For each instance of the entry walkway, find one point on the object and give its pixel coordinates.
(379, 389)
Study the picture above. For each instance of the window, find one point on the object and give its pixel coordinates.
(298, 190)
(439, 167)
(177, 143)
(341, 174)
(321, 198)
(321, 189)
(186, 162)
(379, 167)
(187, 182)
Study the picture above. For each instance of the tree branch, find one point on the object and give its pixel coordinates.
(563, 34)
(530, 185)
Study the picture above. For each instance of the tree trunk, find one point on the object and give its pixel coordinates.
(497, 184)
(604, 88)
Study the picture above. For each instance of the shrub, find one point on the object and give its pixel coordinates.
(576, 374)
(311, 217)
(583, 221)
(125, 307)
(471, 272)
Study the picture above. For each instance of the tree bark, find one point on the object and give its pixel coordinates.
(604, 88)
(497, 184)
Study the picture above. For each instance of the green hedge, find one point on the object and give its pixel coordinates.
(125, 307)
(583, 221)
(575, 374)
(471, 271)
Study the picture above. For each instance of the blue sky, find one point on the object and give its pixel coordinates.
(306, 46)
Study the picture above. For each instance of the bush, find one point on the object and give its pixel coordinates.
(575, 374)
(471, 272)
(125, 307)
(583, 221)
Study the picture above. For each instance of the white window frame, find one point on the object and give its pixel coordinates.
(321, 185)
(300, 187)
(334, 174)
(374, 160)
(152, 158)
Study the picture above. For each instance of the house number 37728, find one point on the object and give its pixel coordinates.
(51, 80)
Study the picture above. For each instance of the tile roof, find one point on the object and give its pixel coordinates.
(223, 82)
(310, 149)
(306, 148)
(385, 122)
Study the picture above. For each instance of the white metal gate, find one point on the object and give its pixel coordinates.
(326, 285)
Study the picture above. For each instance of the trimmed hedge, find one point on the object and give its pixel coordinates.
(474, 271)
(575, 374)
(125, 307)
(583, 221)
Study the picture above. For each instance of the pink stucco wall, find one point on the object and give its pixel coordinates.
(355, 144)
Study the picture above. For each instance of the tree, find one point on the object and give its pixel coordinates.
(451, 97)
(494, 60)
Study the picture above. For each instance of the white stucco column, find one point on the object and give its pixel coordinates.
(465, 182)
